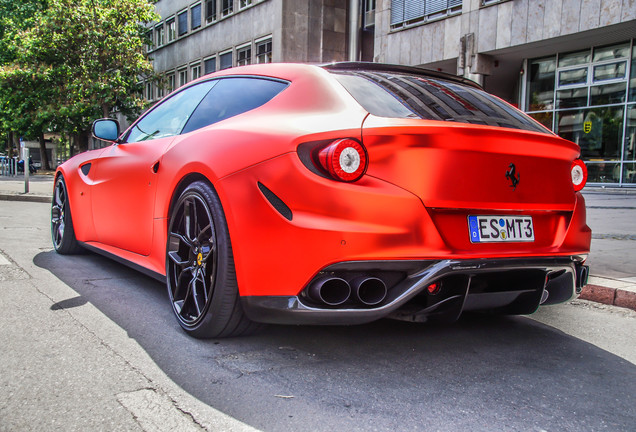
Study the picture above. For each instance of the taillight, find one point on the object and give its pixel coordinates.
(579, 174)
(344, 159)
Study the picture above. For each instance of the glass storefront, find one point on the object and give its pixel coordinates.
(589, 97)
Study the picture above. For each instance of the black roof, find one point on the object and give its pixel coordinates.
(383, 67)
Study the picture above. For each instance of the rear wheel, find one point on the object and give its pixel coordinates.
(200, 267)
(62, 232)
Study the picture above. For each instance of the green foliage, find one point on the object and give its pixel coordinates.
(73, 61)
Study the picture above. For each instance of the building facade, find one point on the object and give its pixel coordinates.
(570, 64)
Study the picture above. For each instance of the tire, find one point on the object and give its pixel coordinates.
(200, 274)
(62, 232)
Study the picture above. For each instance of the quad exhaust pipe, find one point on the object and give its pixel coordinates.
(334, 291)
(369, 290)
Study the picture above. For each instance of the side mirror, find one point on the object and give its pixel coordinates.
(106, 129)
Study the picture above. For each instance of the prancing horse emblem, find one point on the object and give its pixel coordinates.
(513, 176)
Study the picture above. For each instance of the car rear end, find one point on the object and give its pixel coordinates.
(504, 227)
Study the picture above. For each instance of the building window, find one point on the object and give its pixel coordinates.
(585, 97)
(149, 91)
(183, 22)
(195, 16)
(244, 3)
(170, 83)
(491, 2)
(161, 87)
(225, 60)
(369, 13)
(195, 71)
(159, 35)
(171, 30)
(264, 51)
(209, 65)
(227, 7)
(406, 12)
(210, 11)
(244, 55)
(150, 43)
(183, 77)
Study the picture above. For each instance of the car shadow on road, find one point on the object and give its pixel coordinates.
(481, 371)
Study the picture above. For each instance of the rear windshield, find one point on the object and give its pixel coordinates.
(399, 95)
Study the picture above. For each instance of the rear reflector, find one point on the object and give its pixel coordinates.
(579, 174)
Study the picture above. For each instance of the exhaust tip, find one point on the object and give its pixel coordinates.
(332, 291)
(369, 290)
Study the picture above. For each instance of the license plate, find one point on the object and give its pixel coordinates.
(498, 229)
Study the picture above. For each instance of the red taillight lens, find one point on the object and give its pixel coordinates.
(579, 174)
(344, 160)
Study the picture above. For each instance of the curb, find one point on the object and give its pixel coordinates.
(25, 197)
(613, 292)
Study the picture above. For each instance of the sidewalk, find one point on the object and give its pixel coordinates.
(611, 215)
(40, 188)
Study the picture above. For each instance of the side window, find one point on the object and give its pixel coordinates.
(169, 117)
(231, 97)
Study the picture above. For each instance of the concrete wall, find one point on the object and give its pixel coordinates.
(503, 25)
(261, 19)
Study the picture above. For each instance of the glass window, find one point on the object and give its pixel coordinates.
(159, 35)
(150, 43)
(632, 77)
(576, 58)
(610, 71)
(195, 72)
(169, 117)
(210, 65)
(227, 7)
(598, 131)
(149, 91)
(244, 3)
(438, 99)
(244, 56)
(170, 83)
(183, 77)
(545, 118)
(573, 76)
(195, 16)
(608, 94)
(611, 52)
(411, 11)
(572, 98)
(225, 60)
(264, 51)
(183, 22)
(210, 11)
(630, 135)
(541, 85)
(171, 30)
(231, 97)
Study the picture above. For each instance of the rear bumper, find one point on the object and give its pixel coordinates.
(509, 286)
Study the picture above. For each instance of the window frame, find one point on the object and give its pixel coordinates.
(192, 15)
(182, 31)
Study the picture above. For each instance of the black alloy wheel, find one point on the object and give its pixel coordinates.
(200, 267)
(62, 232)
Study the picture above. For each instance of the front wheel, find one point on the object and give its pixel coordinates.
(62, 232)
(200, 267)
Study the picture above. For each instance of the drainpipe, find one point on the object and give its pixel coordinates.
(354, 30)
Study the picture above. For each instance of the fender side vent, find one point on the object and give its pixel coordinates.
(86, 168)
(276, 202)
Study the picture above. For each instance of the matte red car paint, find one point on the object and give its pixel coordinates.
(423, 179)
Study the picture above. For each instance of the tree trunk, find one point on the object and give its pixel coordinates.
(83, 140)
(44, 157)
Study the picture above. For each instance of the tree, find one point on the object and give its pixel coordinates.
(78, 61)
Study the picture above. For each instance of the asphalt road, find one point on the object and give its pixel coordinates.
(569, 367)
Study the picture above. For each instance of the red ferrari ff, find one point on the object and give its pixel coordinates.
(334, 194)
